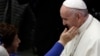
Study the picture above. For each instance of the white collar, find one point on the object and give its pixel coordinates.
(86, 23)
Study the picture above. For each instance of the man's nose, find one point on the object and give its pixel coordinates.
(64, 23)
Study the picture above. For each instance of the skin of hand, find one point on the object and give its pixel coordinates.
(67, 35)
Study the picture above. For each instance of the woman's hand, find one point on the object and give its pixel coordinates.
(67, 35)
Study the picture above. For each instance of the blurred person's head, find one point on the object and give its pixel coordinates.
(73, 13)
(9, 37)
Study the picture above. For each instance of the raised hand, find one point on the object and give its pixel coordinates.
(67, 35)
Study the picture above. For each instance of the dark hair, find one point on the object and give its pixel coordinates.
(7, 33)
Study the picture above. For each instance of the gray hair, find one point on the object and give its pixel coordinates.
(84, 12)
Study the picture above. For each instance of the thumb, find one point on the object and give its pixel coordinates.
(65, 30)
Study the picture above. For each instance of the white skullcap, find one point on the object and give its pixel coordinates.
(78, 4)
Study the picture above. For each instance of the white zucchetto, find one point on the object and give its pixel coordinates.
(78, 4)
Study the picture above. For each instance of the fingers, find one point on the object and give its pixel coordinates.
(68, 35)
(72, 30)
(65, 30)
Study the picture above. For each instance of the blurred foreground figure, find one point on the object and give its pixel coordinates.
(9, 40)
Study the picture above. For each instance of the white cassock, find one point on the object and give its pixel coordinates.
(3, 51)
(87, 42)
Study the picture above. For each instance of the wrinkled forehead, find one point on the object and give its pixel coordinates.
(65, 11)
(63, 8)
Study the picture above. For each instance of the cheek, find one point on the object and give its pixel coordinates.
(14, 47)
(75, 23)
(15, 44)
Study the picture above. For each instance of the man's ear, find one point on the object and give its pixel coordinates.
(79, 17)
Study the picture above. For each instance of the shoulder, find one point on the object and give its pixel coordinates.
(1, 48)
(3, 51)
(93, 31)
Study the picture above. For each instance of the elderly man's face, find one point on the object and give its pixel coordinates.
(69, 19)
